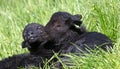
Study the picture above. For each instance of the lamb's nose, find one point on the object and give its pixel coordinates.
(30, 33)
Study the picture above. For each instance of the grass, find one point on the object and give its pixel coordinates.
(98, 15)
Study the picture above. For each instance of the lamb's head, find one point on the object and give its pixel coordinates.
(61, 22)
(33, 34)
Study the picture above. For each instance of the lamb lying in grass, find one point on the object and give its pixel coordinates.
(61, 28)
(34, 38)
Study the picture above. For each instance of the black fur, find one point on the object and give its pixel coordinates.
(62, 30)
(59, 35)
(21, 60)
(90, 41)
(34, 39)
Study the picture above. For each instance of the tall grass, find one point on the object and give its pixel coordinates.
(98, 15)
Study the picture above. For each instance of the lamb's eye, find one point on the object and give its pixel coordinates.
(38, 27)
(58, 25)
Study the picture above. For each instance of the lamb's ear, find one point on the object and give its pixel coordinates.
(25, 44)
(77, 19)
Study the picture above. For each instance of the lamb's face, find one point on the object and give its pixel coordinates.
(58, 27)
(33, 33)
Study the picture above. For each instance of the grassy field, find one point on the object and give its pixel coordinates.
(98, 15)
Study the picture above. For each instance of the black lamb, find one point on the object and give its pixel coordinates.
(34, 39)
(62, 30)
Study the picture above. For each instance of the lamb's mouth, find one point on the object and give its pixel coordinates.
(32, 39)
